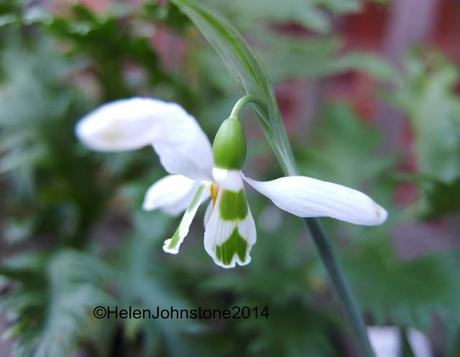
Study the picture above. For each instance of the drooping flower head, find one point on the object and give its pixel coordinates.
(199, 172)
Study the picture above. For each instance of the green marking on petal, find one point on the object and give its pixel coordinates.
(196, 198)
(171, 243)
(233, 245)
(233, 205)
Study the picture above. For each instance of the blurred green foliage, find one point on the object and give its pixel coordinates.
(434, 109)
(74, 236)
(428, 96)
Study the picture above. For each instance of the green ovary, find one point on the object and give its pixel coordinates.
(229, 146)
(233, 245)
(233, 205)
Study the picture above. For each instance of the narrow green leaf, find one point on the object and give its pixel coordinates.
(244, 64)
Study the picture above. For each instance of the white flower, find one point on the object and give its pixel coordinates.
(198, 173)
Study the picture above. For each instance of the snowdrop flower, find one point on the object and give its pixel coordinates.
(198, 172)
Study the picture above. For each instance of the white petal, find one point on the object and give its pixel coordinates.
(172, 194)
(229, 179)
(172, 244)
(207, 214)
(124, 124)
(385, 341)
(218, 231)
(130, 124)
(307, 197)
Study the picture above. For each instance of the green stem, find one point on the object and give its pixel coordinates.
(342, 289)
(349, 302)
(242, 101)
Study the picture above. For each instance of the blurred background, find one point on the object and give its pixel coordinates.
(369, 92)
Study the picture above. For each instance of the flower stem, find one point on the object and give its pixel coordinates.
(342, 289)
(242, 101)
(349, 303)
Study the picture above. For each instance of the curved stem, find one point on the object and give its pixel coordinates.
(242, 101)
(349, 303)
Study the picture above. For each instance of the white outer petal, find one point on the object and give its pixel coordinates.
(130, 124)
(308, 197)
(125, 124)
(172, 194)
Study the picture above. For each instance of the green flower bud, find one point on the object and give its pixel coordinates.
(229, 145)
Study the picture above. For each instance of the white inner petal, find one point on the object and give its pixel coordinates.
(228, 179)
(218, 231)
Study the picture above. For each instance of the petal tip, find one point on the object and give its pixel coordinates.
(168, 249)
(147, 206)
(380, 213)
(235, 262)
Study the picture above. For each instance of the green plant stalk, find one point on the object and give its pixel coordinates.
(242, 62)
(342, 288)
(242, 101)
(349, 302)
